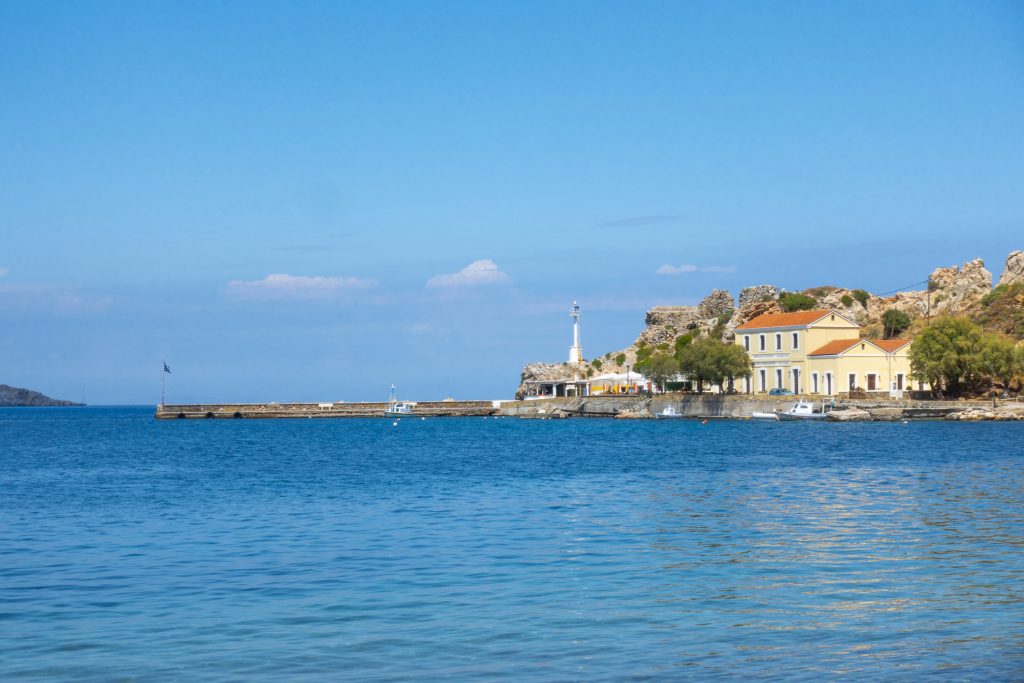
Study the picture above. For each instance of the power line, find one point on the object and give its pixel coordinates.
(903, 289)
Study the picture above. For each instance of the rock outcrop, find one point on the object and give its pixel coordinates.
(1013, 273)
(550, 372)
(955, 289)
(758, 293)
(718, 302)
(850, 414)
(665, 323)
(12, 396)
(754, 301)
(1000, 413)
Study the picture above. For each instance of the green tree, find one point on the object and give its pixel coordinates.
(894, 322)
(596, 363)
(659, 368)
(643, 353)
(1000, 358)
(847, 300)
(682, 341)
(861, 296)
(797, 302)
(946, 354)
(708, 360)
(620, 359)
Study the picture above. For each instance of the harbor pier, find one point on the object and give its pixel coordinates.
(319, 410)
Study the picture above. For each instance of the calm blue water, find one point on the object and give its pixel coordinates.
(507, 549)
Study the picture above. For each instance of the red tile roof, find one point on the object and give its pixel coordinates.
(890, 345)
(835, 346)
(784, 319)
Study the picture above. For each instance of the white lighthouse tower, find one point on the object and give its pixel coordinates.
(575, 351)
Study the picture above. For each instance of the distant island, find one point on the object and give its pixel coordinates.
(12, 396)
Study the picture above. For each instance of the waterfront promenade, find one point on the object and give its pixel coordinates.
(688, 405)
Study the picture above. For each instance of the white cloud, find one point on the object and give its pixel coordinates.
(677, 270)
(690, 268)
(482, 272)
(283, 286)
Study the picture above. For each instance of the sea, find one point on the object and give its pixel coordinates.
(480, 549)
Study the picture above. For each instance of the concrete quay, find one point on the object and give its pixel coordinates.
(737, 406)
(318, 410)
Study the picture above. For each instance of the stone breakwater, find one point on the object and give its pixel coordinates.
(319, 410)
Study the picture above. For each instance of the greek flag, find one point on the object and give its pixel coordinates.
(166, 369)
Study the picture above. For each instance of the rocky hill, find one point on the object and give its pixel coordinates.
(12, 396)
(957, 290)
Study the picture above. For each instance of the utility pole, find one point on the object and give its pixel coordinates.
(928, 289)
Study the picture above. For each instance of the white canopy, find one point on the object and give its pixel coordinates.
(619, 377)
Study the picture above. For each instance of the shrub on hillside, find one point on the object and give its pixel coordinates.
(894, 322)
(797, 302)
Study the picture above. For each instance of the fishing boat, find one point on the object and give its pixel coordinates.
(803, 410)
(668, 412)
(396, 409)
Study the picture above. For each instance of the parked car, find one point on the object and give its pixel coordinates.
(780, 392)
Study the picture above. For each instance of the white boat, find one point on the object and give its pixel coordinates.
(396, 409)
(803, 410)
(667, 413)
(763, 416)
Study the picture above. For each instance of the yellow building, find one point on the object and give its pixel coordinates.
(778, 344)
(860, 364)
(820, 352)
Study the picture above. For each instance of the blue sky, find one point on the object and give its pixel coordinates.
(433, 183)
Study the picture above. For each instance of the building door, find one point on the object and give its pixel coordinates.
(871, 381)
(796, 381)
(814, 382)
(778, 378)
(828, 383)
(899, 382)
(764, 380)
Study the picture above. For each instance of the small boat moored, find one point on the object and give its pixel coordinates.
(668, 412)
(764, 416)
(803, 410)
(396, 409)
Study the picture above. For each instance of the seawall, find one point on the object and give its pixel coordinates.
(730, 406)
(318, 410)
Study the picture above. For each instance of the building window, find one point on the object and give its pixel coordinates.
(778, 342)
(762, 342)
(796, 341)
(853, 381)
(778, 378)
(746, 342)
(764, 377)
